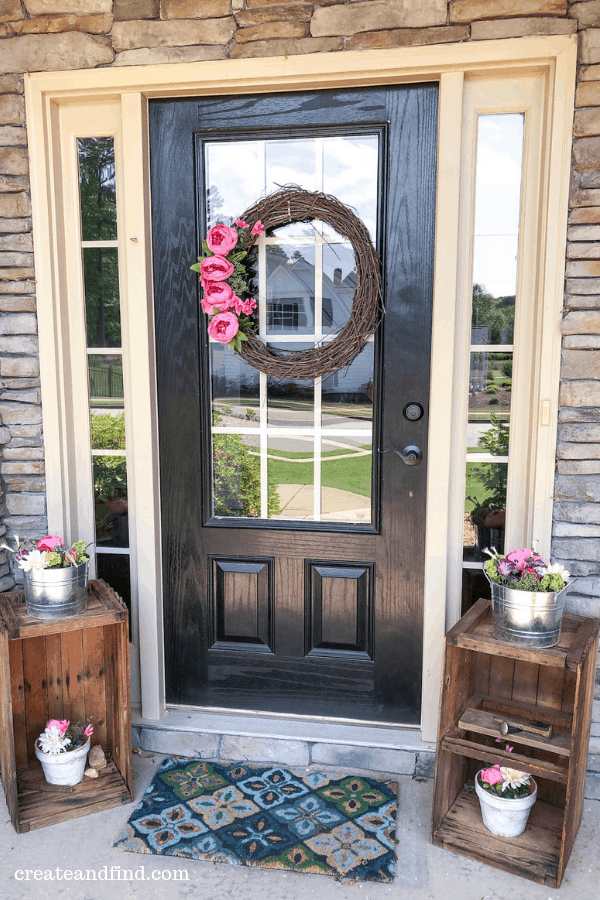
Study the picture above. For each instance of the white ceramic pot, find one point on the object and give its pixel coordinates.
(64, 768)
(503, 816)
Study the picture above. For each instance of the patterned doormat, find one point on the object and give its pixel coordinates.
(272, 817)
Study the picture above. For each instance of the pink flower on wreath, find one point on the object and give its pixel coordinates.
(223, 327)
(243, 306)
(258, 228)
(241, 224)
(492, 775)
(216, 268)
(221, 239)
(89, 731)
(49, 542)
(216, 293)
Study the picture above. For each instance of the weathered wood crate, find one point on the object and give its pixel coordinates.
(485, 682)
(68, 669)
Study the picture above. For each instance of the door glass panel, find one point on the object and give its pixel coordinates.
(306, 275)
(106, 378)
(495, 258)
(110, 489)
(235, 390)
(97, 188)
(102, 306)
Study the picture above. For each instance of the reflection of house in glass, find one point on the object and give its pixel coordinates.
(291, 312)
(480, 334)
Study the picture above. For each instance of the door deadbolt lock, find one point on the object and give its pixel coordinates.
(413, 411)
(411, 455)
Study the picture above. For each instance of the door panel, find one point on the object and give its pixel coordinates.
(316, 611)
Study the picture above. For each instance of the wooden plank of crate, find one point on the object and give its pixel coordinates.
(551, 658)
(534, 854)
(483, 722)
(72, 662)
(550, 687)
(36, 700)
(40, 808)
(482, 673)
(110, 669)
(8, 614)
(94, 685)
(471, 619)
(7, 746)
(582, 719)
(17, 690)
(450, 776)
(529, 712)
(525, 681)
(454, 742)
(587, 635)
(122, 747)
(54, 677)
(501, 677)
(108, 598)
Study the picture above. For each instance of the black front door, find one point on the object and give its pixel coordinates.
(293, 541)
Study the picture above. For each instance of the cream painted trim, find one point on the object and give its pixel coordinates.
(445, 62)
(440, 405)
(359, 67)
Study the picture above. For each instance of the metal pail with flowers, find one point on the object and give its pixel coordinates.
(55, 576)
(56, 593)
(505, 815)
(528, 598)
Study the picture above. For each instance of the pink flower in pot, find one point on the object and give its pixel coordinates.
(493, 775)
(49, 542)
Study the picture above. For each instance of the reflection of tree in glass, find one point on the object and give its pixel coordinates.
(236, 477)
(99, 223)
(498, 313)
(110, 479)
(214, 203)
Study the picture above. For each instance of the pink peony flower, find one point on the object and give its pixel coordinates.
(492, 775)
(241, 224)
(63, 726)
(89, 731)
(49, 543)
(216, 268)
(221, 239)
(258, 228)
(223, 327)
(217, 293)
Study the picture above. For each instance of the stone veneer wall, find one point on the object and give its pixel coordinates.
(40, 35)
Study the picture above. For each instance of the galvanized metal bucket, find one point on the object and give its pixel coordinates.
(56, 593)
(527, 618)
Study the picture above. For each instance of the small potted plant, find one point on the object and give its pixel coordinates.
(62, 750)
(528, 597)
(55, 576)
(506, 797)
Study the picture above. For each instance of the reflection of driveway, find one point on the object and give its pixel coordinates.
(297, 502)
(474, 432)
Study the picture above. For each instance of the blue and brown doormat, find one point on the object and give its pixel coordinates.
(268, 816)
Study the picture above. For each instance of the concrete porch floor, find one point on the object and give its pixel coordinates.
(423, 872)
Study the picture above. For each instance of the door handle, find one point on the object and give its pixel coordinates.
(411, 455)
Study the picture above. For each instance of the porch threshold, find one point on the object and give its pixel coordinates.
(285, 740)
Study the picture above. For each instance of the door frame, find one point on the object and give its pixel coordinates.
(129, 88)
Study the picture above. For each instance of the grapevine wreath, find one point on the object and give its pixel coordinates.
(229, 302)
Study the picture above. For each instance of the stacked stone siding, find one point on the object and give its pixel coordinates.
(39, 35)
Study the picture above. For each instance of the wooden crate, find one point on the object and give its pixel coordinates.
(67, 669)
(485, 681)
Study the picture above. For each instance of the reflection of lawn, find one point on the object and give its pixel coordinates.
(349, 474)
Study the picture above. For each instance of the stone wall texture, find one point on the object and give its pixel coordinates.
(38, 35)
